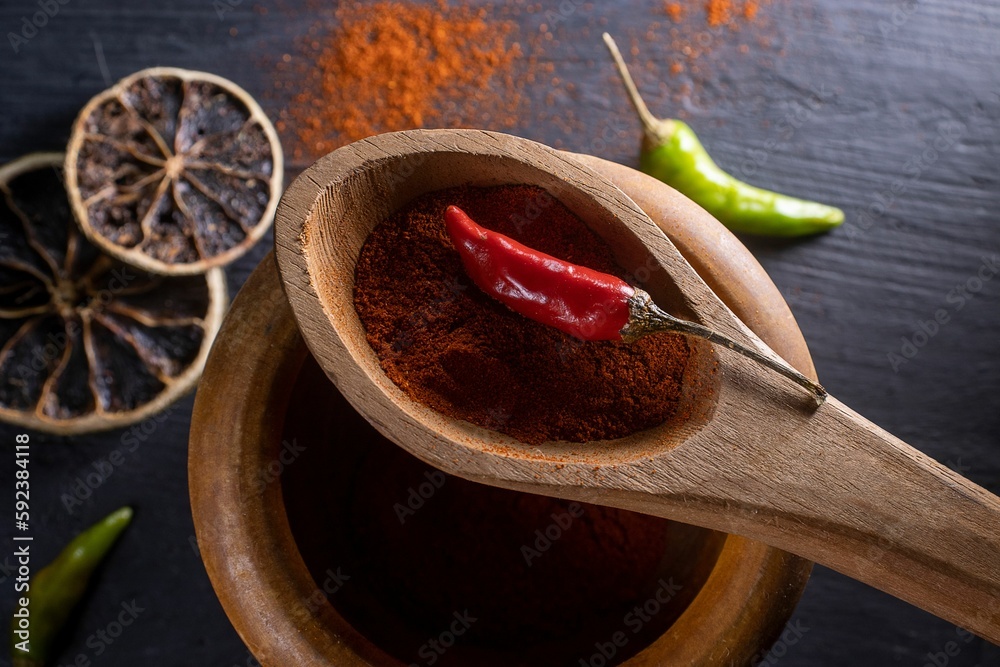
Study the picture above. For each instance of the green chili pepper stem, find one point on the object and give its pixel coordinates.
(657, 130)
(57, 588)
(672, 153)
(646, 318)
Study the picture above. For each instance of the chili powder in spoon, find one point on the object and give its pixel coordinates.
(459, 351)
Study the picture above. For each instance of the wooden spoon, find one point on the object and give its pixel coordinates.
(756, 457)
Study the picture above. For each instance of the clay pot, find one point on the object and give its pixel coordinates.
(284, 475)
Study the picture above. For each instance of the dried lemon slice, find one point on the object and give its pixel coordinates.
(174, 171)
(86, 342)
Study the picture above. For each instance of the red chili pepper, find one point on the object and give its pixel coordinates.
(579, 301)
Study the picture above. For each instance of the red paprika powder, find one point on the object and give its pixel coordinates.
(456, 349)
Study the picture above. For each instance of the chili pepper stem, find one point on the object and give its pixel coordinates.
(657, 130)
(672, 153)
(646, 318)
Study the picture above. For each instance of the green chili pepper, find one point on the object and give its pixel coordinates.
(672, 153)
(57, 589)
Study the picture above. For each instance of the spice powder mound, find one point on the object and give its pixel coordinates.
(455, 349)
(390, 65)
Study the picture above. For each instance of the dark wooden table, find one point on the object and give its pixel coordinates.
(887, 109)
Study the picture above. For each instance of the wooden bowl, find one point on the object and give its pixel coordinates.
(265, 412)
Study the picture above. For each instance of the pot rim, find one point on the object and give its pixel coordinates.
(246, 541)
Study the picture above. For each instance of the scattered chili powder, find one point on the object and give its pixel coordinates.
(716, 12)
(360, 69)
(393, 65)
(690, 54)
(720, 12)
(675, 11)
(461, 352)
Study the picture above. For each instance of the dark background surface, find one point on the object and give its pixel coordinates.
(872, 84)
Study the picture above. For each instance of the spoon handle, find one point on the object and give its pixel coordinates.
(837, 489)
(907, 525)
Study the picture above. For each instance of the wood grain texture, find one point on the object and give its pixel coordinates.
(261, 580)
(855, 292)
(245, 539)
(735, 614)
(755, 459)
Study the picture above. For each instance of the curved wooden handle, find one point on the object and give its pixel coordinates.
(834, 488)
(901, 522)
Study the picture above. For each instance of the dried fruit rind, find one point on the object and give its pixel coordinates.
(174, 171)
(87, 342)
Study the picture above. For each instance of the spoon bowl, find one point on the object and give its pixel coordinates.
(756, 457)
(267, 547)
(338, 222)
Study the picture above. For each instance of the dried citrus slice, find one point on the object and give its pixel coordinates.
(174, 171)
(87, 342)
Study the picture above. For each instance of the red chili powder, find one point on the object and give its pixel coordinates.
(390, 65)
(691, 52)
(719, 12)
(452, 347)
